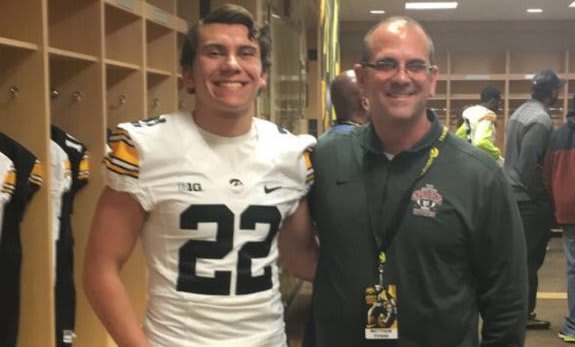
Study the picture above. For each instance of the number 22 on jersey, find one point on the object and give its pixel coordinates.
(220, 284)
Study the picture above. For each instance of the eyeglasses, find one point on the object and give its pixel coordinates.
(415, 68)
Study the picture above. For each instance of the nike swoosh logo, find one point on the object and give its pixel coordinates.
(271, 189)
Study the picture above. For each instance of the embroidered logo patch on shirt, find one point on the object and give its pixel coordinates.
(426, 200)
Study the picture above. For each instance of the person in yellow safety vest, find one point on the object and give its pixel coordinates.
(478, 127)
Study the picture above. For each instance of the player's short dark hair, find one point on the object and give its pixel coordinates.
(490, 93)
(229, 14)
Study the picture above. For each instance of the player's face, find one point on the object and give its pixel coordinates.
(227, 71)
(399, 88)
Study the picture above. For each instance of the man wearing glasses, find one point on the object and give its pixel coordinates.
(394, 223)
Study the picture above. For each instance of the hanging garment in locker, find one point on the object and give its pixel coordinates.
(70, 173)
(7, 181)
(27, 180)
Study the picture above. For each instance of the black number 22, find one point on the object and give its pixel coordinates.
(189, 281)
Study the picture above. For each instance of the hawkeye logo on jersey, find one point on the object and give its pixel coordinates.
(426, 200)
(189, 187)
(236, 182)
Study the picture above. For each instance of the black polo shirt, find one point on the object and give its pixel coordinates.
(458, 248)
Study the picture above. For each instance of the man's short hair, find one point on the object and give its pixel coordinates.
(365, 53)
(490, 93)
(228, 14)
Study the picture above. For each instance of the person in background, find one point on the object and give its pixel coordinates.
(558, 174)
(208, 193)
(350, 106)
(458, 119)
(528, 131)
(391, 220)
(478, 126)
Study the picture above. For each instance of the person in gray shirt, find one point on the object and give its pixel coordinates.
(528, 132)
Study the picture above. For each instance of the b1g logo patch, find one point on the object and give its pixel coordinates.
(426, 200)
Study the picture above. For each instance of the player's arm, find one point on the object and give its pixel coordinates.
(533, 148)
(115, 229)
(297, 243)
(500, 266)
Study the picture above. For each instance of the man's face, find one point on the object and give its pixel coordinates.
(227, 70)
(400, 93)
(494, 104)
(554, 96)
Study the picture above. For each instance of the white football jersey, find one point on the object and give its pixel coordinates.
(61, 182)
(215, 206)
(8, 177)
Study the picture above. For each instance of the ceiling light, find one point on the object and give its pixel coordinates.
(377, 11)
(430, 5)
(534, 10)
(572, 4)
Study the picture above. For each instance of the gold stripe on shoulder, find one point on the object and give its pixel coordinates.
(116, 167)
(84, 167)
(36, 180)
(9, 185)
(10, 177)
(37, 175)
(125, 152)
(307, 159)
(310, 178)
